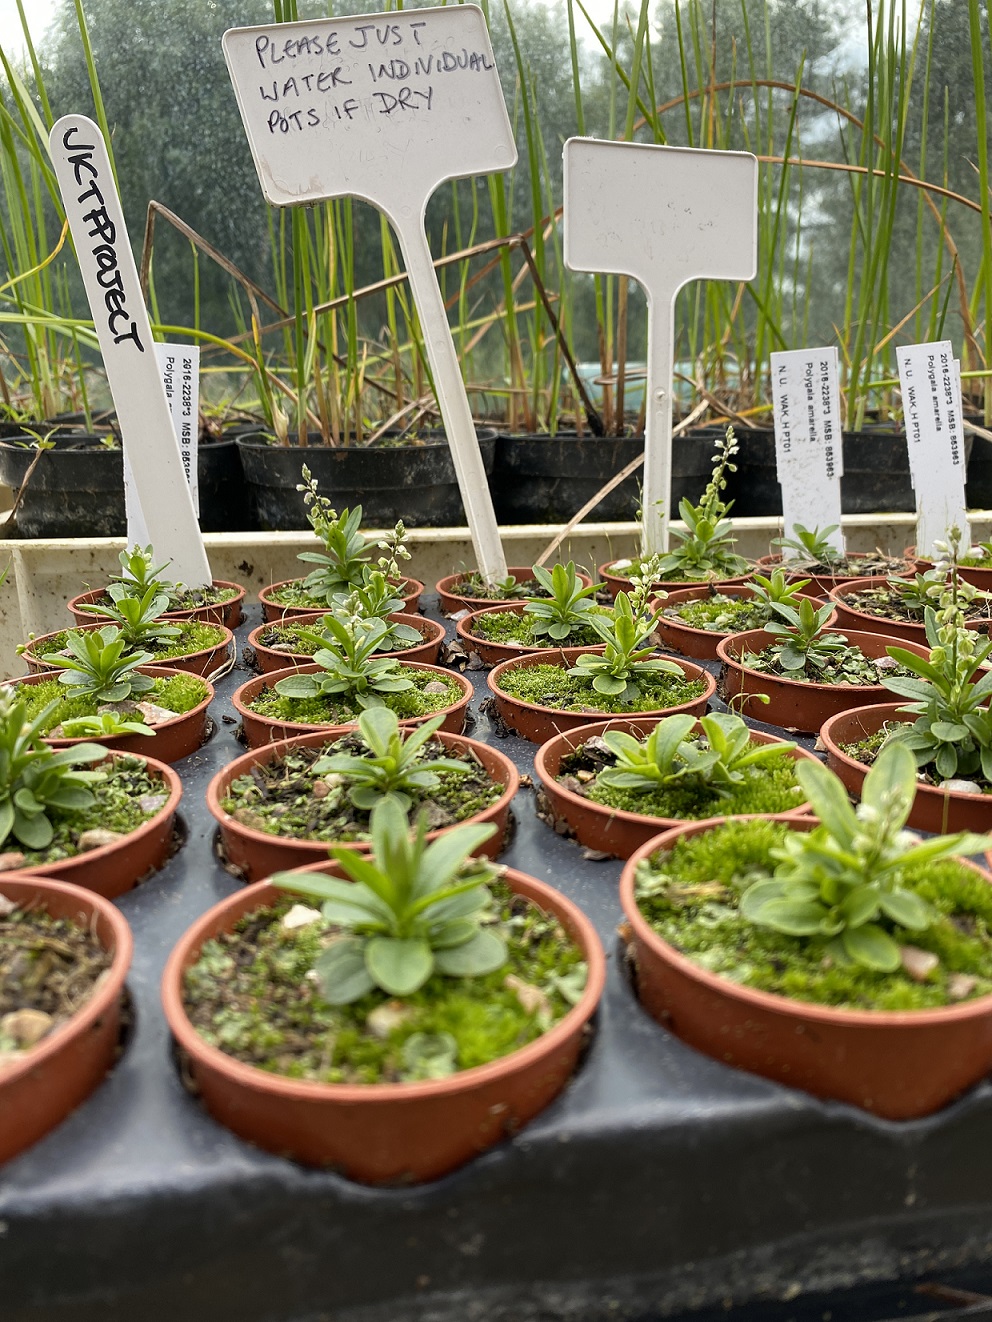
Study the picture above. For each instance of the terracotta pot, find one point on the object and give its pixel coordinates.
(899, 1065)
(825, 582)
(451, 602)
(538, 724)
(258, 854)
(409, 590)
(393, 1132)
(981, 578)
(229, 613)
(171, 741)
(850, 616)
(797, 704)
(618, 581)
(611, 829)
(940, 811)
(53, 1077)
(491, 654)
(204, 662)
(270, 659)
(112, 869)
(261, 730)
(700, 643)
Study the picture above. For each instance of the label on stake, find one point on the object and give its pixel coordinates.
(930, 379)
(180, 368)
(385, 107)
(99, 235)
(808, 449)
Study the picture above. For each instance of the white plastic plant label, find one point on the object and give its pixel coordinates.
(385, 107)
(663, 216)
(808, 446)
(180, 368)
(930, 379)
(99, 235)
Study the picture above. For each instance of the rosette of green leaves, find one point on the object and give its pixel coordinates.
(98, 664)
(841, 882)
(375, 599)
(625, 660)
(668, 755)
(395, 765)
(140, 619)
(567, 607)
(105, 725)
(803, 641)
(348, 666)
(140, 575)
(812, 546)
(775, 589)
(411, 910)
(953, 729)
(35, 780)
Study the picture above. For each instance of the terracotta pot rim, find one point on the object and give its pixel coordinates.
(606, 572)
(104, 994)
(568, 656)
(190, 612)
(275, 752)
(773, 1001)
(156, 672)
(174, 787)
(224, 642)
(578, 927)
(420, 622)
(853, 636)
(623, 723)
(270, 678)
(448, 587)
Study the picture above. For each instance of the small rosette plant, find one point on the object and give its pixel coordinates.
(840, 883)
(567, 607)
(395, 764)
(35, 780)
(625, 660)
(349, 667)
(410, 911)
(100, 665)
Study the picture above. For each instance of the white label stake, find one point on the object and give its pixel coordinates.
(180, 368)
(931, 399)
(93, 209)
(808, 450)
(663, 216)
(385, 107)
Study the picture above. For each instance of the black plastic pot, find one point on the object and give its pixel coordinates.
(414, 482)
(978, 487)
(875, 481)
(77, 488)
(547, 479)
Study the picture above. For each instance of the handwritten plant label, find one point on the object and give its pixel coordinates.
(808, 447)
(662, 216)
(385, 107)
(180, 368)
(930, 379)
(96, 221)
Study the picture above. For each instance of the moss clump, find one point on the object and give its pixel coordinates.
(720, 613)
(551, 686)
(509, 627)
(180, 694)
(337, 710)
(279, 797)
(690, 895)
(194, 636)
(249, 996)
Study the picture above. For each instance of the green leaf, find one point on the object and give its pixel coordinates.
(36, 831)
(829, 799)
(872, 948)
(485, 953)
(861, 905)
(430, 1055)
(906, 909)
(399, 965)
(342, 972)
(794, 917)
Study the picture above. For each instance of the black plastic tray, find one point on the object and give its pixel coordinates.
(661, 1182)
